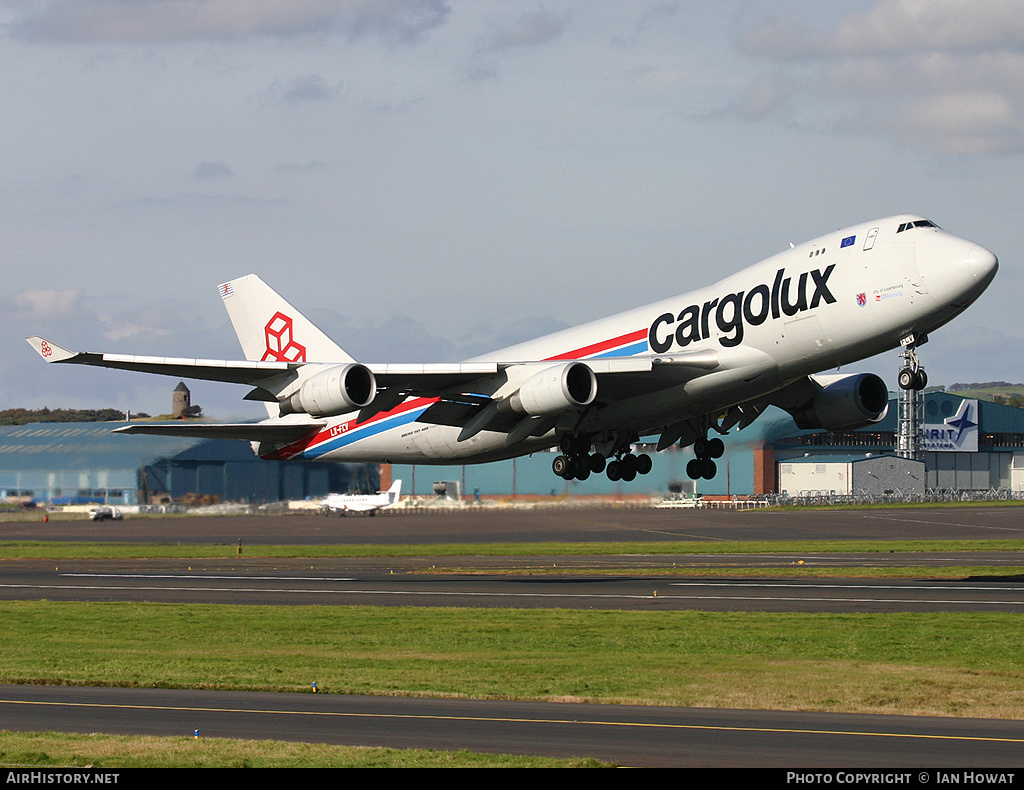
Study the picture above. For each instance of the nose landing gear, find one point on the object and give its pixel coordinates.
(913, 379)
(912, 375)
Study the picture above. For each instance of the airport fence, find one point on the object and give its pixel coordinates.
(896, 497)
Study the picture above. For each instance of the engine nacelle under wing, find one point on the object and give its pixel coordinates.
(334, 391)
(569, 385)
(845, 403)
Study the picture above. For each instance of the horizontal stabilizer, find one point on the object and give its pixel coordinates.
(243, 431)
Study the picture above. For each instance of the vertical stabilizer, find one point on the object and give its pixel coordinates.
(271, 329)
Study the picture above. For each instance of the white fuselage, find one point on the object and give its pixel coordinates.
(837, 299)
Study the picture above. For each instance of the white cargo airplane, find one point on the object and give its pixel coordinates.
(709, 360)
(343, 504)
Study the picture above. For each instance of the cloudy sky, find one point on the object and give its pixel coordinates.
(428, 179)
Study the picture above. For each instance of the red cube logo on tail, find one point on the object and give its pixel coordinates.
(280, 345)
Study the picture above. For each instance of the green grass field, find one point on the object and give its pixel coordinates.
(937, 664)
(14, 550)
(107, 752)
(965, 664)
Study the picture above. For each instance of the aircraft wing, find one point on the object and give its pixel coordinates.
(245, 431)
(448, 379)
(615, 378)
(231, 371)
(418, 378)
(463, 390)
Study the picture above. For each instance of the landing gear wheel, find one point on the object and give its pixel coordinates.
(613, 470)
(561, 466)
(597, 463)
(644, 464)
(703, 466)
(910, 379)
(628, 467)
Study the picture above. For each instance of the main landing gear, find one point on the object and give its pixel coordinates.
(578, 463)
(704, 466)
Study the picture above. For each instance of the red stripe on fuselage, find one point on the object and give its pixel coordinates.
(344, 427)
(604, 345)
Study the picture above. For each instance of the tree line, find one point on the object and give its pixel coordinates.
(25, 416)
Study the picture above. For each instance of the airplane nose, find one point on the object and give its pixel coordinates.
(982, 263)
(952, 267)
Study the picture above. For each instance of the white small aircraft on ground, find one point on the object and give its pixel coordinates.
(709, 360)
(343, 504)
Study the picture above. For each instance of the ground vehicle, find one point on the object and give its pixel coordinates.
(105, 513)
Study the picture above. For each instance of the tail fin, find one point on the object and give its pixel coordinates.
(394, 492)
(271, 329)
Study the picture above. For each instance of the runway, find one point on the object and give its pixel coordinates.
(630, 736)
(531, 583)
(637, 736)
(570, 524)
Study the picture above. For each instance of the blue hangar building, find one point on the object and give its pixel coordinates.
(70, 463)
(969, 445)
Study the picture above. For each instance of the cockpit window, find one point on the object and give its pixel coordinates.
(918, 223)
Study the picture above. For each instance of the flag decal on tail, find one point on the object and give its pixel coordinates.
(226, 290)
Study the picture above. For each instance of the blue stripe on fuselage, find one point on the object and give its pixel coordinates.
(625, 351)
(362, 432)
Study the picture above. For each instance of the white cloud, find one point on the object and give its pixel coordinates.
(899, 26)
(308, 87)
(528, 30)
(206, 170)
(41, 303)
(893, 27)
(764, 96)
(81, 21)
(946, 74)
(972, 123)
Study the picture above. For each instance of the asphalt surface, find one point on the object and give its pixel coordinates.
(486, 525)
(537, 582)
(625, 735)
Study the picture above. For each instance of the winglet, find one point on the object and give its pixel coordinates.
(49, 350)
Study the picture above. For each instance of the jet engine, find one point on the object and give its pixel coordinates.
(845, 403)
(334, 391)
(555, 389)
